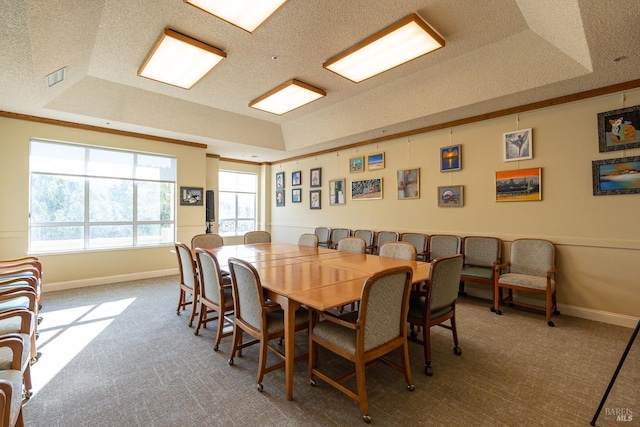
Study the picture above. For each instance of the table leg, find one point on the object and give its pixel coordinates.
(289, 341)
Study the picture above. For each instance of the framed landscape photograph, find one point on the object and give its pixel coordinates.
(519, 185)
(619, 129)
(316, 177)
(517, 145)
(451, 196)
(279, 197)
(279, 180)
(450, 158)
(336, 192)
(314, 199)
(408, 184)
(356, 164)
(616, 176)
(191, 196)
(296, 195)
(366, 189)
(296, 178)
(375, 161)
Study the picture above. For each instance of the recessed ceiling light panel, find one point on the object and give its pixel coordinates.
(287, 97)
(246, 14)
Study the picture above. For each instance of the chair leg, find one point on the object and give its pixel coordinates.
(407, 367)
(201, 316)
(237, 338)
(219, 332)
(262, 362)
(549, 309)
(361, 385)
(454, 331)
(426, 338)
(496, 299)
(180, 302)
(461, 291)
(194, 309)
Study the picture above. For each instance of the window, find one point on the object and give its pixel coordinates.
(85, 197)
(237, 203)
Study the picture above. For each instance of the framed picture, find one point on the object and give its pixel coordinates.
(336, 192)
(314, 199)
(450, 158)
(375, 161)
(408, 184)
(519, 185)
(296, 178)
(279, 180)
(451, 196)
(517, 145)
(296, 195)
(366, 189)
(316, 177)
(356, 164)
(191, 196)
(618, 129)
(279, 197)
(616, 176)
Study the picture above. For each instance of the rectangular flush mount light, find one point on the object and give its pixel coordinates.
(246, 14)
(179, 60)
(401, 42)
(287, 97)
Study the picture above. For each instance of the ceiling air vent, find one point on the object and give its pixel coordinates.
(55, 77)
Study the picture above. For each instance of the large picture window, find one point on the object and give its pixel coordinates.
(237, 203)
(84, 197)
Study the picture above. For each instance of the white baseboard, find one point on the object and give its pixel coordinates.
(73, 284)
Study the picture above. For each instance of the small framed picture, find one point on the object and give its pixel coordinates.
(408, 184)
(279, 197)
(279, 180)
(450, 158)
(517, 145)
(375, 161)
(191, 196)
(619, 129)
(296, 178)
(336, 192)
(296, 195)
(316, 177)
(519, 185)
(356, 164)
(616, 176)
(451, 196)
(314, 199)
(366, 189)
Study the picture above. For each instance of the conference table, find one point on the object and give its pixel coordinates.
(320, 278)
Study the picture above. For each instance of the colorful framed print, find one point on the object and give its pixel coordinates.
(296, 178)
(375, 161)
(451, 196)
(366, 189)
(314, 199)
(616, 176)
(450, 158)
(296, 195)
(279, 180)
(408, 184)
(316, 177)
(519, 185)
(336, 192)
(191, 196)
(618, 129)
(356, 164)
(517, 145)
(279, 197)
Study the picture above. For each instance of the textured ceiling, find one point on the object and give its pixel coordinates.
(498, 54)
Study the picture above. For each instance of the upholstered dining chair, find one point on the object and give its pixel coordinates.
(368, 236)
(399, 250)
(263, 320)
(257, 237)
(384, 237)
(11, 383)
(10, 360)
(363, 337)
(324, 236)
(215, 296)
(481, 255)
(14, 301)
(188, 281)
(531, 268)
(420, 241)
(356, 245)
(338, 234)
(207, 241)
(443, 245)
(308, 239)
(436, 304)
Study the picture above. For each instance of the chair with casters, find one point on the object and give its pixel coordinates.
(188, 281)
(363, 337)
(356, 245)
(11, 382)
(324, 236)
(441, 245)
(420, 241)
(368, 236)
(308, 239)
(481, 255)
(261, 319)
(531, 268)
(207, 241)
(436, 304)
(13, 302)
(257, 237)
(338, 234)
(399, 250)
(215, 295)
(384, 237)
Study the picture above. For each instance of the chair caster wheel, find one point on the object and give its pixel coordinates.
(190, 324)
(366, 419)
(39, 319)
(411, 387)
(280, 341)
(551, 324)
(413, 334)
(498, 312)
(457, 351)
(195, 333)
(312, 382)
(259, 387)
(556, 312)
(493, 309)
(36, 358)
(215, 347)
(230, 362)
(462, 294)
(428, 371)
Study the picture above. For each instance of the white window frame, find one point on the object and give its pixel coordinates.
(236, 218)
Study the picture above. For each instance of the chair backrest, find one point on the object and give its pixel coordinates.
(210, 276)
(257, 237)
(209, 240)
(532, 257)
(481, 251)
(419, 240)
(338, 234)
(444, 281)
(367, 235)
(308, 239)
(357, 245)
(384, 305)
(188, 274)
(400, 250)
(386, 236)
(443, 245)
(248, 299)
(324, 236)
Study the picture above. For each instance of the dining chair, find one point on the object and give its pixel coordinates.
(10, 359)
(363, 337)
(338, 234)
(481, 255)
(19, 299)
(308, 239)
(384, 237)
(324, 236)
(399, 250)
(531, 268)
(188, 281)
(257, 237)
(443, 245)
(215, 296)
(261, 319)
(11, 383)
(368, 236)
(436, 304)
(356, 245)
(420, 241)
(207, 241)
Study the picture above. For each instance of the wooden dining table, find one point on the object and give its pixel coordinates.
(320, 278)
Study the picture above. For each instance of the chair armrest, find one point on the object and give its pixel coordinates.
(498, 267)
(330, 317)
(26, 317)
(23, 291)
(13, 342)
